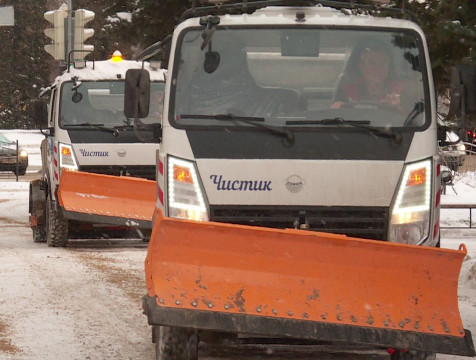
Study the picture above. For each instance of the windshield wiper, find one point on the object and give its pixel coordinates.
(334, 121)
(99, 127)
(417, 110)
(255, 121)
(123, 127)
(115, 130)
(361, 124)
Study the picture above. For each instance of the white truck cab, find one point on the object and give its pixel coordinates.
(251, 113)
(279, 119)
(88, 131)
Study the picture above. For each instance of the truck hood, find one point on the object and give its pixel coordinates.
(115, 154)
(300, 182)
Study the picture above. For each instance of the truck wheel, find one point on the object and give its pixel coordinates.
(39, 235)
(174, 343)
(413, 355)
(56, 227)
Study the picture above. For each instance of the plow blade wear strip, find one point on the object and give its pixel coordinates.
(116, 200)
(303, 284)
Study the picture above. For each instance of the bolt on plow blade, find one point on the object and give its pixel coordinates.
(106, 199)
(302, 284)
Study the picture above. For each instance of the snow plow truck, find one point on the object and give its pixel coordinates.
(85, 129)
(291, 200)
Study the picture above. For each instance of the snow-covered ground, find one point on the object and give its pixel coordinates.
(463, 192)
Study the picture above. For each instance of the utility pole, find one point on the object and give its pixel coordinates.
(69, 29)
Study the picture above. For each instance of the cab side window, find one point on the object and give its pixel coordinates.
(52, 112)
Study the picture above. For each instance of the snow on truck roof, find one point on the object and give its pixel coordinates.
(109, 70)
(313, 15)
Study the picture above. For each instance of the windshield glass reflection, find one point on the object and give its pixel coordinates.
(282, 75)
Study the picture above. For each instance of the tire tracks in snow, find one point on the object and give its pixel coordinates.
(12, 222)
(122, 274)
(60, 306)
(6, 345)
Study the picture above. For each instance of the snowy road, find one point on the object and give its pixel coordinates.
(84, 301)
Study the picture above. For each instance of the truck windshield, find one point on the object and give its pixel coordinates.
(296, 77)
(101, 103)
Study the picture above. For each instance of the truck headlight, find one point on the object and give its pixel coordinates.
(23, 153)
(185, 196)
(461, 147)
(410, 215)
(66, 157)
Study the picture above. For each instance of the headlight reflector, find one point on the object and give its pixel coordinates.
(67, 158)
(186, 199)
(410, 216)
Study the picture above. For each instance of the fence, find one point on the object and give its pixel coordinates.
(469, 207)
(470, 159)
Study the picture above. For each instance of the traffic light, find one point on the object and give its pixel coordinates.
(81, 17)
(57, 33)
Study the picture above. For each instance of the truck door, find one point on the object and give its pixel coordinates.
(48, 160)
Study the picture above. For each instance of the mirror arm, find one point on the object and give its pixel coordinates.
(157, 132)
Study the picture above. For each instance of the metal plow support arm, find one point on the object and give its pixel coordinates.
(116, 200)
(304, 284)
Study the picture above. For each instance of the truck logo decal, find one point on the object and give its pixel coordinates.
(240, 185)
(85, 152)
(294, 183)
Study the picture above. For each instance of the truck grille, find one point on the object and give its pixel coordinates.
(140, 171)
(364, 222)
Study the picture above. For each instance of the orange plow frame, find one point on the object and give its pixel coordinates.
(106, 199)
(302, 284)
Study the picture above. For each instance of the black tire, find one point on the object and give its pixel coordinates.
(39, 235)
(174, 343)
(413, 355)
(20, 172)
(56, 227)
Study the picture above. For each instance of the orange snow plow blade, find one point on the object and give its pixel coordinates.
(302, 284)
(116, 200)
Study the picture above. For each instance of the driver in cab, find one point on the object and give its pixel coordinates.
(370, 79)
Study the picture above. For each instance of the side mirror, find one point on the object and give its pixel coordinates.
(441, 134)
(160, 51)
(446, 136)
(40, 112)
(167, 47)
(446, 177)
(462, 90)
(137, 93)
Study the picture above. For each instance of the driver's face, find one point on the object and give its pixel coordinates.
(374, 65)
